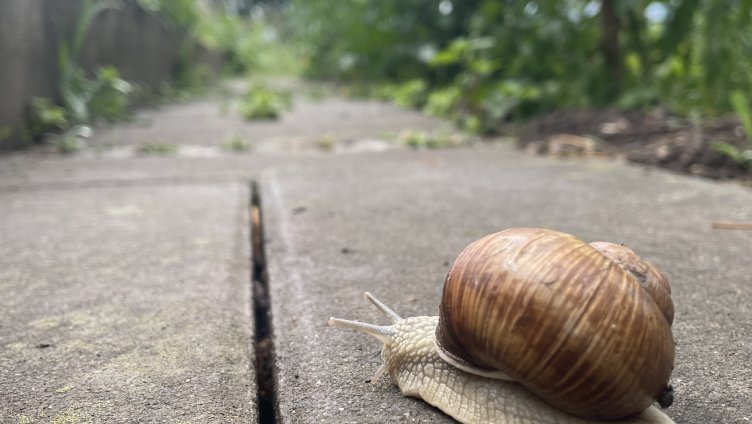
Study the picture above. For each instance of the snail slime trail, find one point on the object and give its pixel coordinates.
(266, 382)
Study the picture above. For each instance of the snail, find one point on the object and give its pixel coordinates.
(537, 326)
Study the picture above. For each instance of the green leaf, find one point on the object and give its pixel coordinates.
(678, 26)
(444, 58)
(741, 107)
(484, 66)
(90, 9)
(482, 43)
(727, 149)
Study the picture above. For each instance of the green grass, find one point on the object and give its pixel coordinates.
(422, 140)
(262, 102)
(742, 156)
(156, 148)
(236, 144)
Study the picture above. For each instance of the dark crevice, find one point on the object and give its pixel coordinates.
(266, 382)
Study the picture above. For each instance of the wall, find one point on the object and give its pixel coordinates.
(134, 40)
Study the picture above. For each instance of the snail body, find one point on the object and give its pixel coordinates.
(565, 332)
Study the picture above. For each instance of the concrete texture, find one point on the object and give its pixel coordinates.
(125, 277)
(347, 124)
(392, 224)
(126, 303)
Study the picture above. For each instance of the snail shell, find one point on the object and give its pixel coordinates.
(585, 327)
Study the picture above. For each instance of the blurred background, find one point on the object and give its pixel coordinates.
(670, 78)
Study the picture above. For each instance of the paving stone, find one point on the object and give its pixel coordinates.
(211, 122)
(124, 278)
(126, 304)
(393, 223)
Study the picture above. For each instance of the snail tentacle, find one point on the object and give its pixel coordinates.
(382, 332)
(387, 311)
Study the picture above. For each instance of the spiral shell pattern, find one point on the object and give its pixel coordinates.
(587, 331)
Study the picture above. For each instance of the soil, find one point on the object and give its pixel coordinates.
(652, 138)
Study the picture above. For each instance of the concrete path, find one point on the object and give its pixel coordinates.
(126, 278)
(126, 304)
(392, 224)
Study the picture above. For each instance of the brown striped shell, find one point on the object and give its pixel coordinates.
(587, 327)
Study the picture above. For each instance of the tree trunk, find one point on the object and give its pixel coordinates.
(610, 47)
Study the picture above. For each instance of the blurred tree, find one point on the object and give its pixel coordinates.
(611, 48)
(686, 54)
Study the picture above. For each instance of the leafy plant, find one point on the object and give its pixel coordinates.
(741, 156)
(70, 140)
(248, 44)
(326, 143)
(156, 148)
(110, 96)
(422, 140)
(509, 60)
(411, 94)
(236, 143)
(261, 102)
(442, 102)
(5, 132)
(84, 99)
(741, 107)
(182, 14)
(45, 116)
(190, 78)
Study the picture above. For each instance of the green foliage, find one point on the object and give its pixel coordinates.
(742, 157)
(262, 102)
(69, 140)
(247, 44)
(5, 132)
(483, 61)
(255, 44)
(236, 143)
(156, 148)
(232, 36)
(739, 155)
(373, 39)
(107, 96)
(182, 14)
(326, 143)
(443, 101)
(84, 100)
(45, 116)
(422, 140)
(189, 81)
(190, 78)
(411, 94)
(741, 107)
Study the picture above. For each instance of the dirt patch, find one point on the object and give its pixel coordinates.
(654, 138)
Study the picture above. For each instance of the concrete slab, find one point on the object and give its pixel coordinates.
(213, 122)
(392, 224)
(34, 172)
(126, 303)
